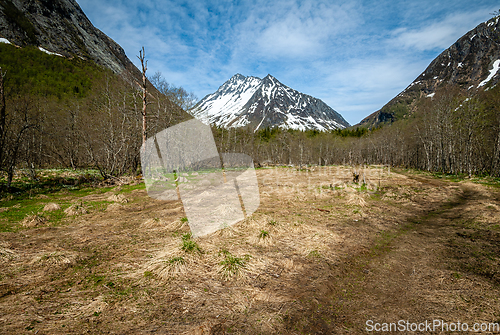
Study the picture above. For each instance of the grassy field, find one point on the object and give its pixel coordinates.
(321, 255)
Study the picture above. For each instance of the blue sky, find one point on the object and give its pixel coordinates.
(353, 55)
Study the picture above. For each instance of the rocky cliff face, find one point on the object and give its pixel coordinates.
(261, 103)
(61, 27)
(471, 64)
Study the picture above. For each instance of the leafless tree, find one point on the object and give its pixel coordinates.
(144, 65)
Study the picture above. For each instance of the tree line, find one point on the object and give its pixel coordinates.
(451, 133)
(96, 119)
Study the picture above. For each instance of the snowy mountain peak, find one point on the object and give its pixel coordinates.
(238, 76)
(260, 103)
(270, 77)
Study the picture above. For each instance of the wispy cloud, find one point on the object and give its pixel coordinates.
(293, 30)
(354, 55)
(436, 35)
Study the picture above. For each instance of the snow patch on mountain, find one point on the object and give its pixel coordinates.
(493, 72)
(49, 52)
(266, 102)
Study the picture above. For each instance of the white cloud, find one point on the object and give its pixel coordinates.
(359, 87)
(354, 55)
(290, 30)
(436, 35)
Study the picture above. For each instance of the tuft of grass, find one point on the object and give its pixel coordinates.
(184, 219)
(314, 254)
(231, 265)
(263, 234)
(189, 245)
(176, 260)
(273, 223)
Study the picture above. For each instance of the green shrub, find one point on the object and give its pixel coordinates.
(189, 245)
(231, 264)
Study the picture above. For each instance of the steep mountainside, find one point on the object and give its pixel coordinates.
(77, 51)
(60, 27)
(261, 103)
(471, 64)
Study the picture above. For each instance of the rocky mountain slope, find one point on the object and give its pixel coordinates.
(60, 27)
(471, 64)
(261, 103)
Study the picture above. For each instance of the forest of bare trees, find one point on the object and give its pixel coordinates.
(450, 133)
(101, 131)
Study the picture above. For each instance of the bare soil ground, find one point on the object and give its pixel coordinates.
(320, 256)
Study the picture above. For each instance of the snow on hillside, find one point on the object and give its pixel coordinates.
(266, 102)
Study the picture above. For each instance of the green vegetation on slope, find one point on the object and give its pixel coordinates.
(32, 71)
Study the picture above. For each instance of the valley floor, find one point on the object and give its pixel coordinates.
(321, 255)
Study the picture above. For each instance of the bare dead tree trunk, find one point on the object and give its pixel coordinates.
(144, 65)
(3, 115)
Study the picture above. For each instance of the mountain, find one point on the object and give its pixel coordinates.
(81, 56)
(60, 27)
(261, 103)
(471, 65)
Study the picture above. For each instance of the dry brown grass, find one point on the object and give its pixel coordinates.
(321, 254)
(33, 221)
(76, 209)
(118, 198)
(51, 206)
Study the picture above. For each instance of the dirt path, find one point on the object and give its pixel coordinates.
(413, 276)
